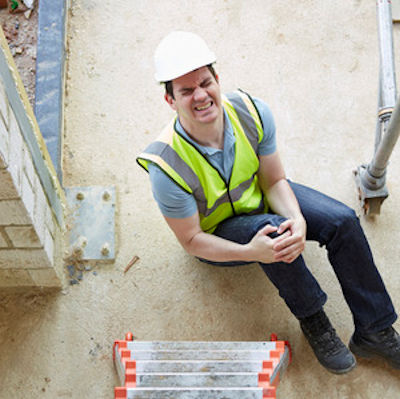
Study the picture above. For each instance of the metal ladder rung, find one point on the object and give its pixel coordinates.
(237, 380)
(201, 345)
(217, 366)
(199, 370)
(200, 354)
(194, 393)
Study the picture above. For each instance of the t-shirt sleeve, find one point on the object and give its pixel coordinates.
(268, 143)
(173, 201)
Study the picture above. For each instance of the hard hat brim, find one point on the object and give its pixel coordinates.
(162, 78)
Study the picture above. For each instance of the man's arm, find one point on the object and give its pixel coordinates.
(198, 243)
(283, 202)
(262, 248)
(188, 231)
(180, 211)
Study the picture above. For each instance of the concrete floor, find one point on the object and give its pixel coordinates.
(316, 64)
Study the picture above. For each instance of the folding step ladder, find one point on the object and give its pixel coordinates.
(194, 370)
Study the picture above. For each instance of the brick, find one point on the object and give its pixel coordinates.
(3, 242)
(45, 277)
(28, 197)
(24, 259)
(7, 186)
(3, 104)
(15, 151)
(28, 166)
(13, 212)
(23, 236)
(4, 139)
(15, 278)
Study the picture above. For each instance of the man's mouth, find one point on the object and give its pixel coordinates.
(208, 105)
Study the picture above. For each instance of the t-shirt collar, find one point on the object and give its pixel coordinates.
(229, 137)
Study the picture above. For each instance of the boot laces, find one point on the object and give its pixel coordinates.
(323, 334)
(330, 341)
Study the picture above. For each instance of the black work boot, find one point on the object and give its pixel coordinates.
(327, 346)
(384, 344)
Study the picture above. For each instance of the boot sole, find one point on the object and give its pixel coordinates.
(342, 371)
(367, 354)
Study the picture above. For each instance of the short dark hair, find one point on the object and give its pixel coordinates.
(168, 85)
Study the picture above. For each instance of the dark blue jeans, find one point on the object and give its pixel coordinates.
(335, 226)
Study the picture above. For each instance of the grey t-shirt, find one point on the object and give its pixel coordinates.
(173, 201)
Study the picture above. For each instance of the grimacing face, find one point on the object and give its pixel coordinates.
(197, 98)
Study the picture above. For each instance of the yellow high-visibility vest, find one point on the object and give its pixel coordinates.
(217, 199)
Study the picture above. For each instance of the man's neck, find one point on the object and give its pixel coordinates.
(208, 135)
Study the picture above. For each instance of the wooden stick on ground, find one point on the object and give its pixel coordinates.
(131, 263)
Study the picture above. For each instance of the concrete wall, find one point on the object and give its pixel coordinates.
(31, 200)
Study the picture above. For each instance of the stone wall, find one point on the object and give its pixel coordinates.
(31, 199)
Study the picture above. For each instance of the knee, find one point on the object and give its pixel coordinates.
(262, 220)
(345, 224)
(346, 217)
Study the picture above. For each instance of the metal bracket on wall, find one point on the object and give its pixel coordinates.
(91, 223)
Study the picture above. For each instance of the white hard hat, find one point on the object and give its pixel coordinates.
(180, 53)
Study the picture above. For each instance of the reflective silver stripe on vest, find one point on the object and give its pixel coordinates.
(245, 118)
(235, 195)
(170, 156)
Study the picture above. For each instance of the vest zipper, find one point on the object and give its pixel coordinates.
(220, 175)
(229, 194)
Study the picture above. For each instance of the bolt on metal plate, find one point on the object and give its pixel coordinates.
(91, 222)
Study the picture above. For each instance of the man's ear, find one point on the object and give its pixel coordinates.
(171, 102)
(217, 77)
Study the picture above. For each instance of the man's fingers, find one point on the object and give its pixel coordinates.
(290, 253)
(284, 226)
(287, 258)
(287, 249)
(267, 229)
(284, 240)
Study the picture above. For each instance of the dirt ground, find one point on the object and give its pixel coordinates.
(21, 34)
(316, 65)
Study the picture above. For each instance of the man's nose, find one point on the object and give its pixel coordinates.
(200, 94)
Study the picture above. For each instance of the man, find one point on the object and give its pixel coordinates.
(221, 187)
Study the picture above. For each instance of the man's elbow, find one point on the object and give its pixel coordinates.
(190, 244)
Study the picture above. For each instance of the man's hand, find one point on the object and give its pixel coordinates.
(282, 201)
(289, 246)
(261, 247)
